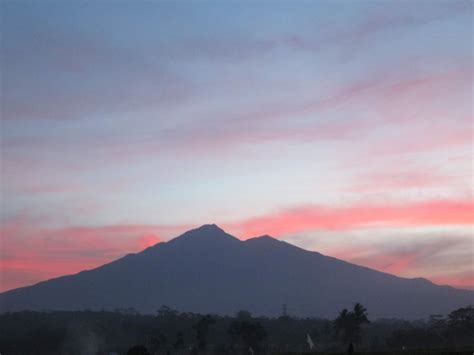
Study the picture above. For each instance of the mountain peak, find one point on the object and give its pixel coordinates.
(206, 270)
(212, 227)
(266, 236)
(207, 233)
(263, 238)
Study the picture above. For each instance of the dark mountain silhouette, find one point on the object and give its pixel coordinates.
(206, 270)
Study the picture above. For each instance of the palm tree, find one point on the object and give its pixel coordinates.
(360, 314)
(360, 317)
(349, 323)
(344, 323)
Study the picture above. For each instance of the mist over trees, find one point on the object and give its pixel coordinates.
(171, 332)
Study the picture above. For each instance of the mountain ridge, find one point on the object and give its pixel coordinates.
(207, 270)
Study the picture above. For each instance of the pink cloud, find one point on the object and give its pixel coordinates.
(415, 142)
(461, 280)
(313, 217)
(381, 90)
(33, 252)
(29, 248)
(227, 130)
(409, 264)
(391, 179)
(441, 256)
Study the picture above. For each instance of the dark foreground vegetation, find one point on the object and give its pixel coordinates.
(171, 332)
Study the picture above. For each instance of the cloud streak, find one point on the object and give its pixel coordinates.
(32, 250)
(441, 254)
(314, 217)
(30, 247)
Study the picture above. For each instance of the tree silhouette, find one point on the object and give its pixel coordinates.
(460, 325)
(360, 317)
(462, 318)
(243, 315)
(202, 330)
(247, 334)
(45, 332)
(159, 341)
(138, 350)
(179, 342)
(344, 324)
(166, 312)
(349, 323)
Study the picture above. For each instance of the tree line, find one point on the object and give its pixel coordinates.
(125, 331)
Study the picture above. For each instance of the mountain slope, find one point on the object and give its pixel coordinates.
(209, 271)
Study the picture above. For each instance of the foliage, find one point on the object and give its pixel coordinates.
(138, 350)
(349, 323)
(246, 335)
(202, 330)
(172, 332)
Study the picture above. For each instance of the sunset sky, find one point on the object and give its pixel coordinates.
(344, 127)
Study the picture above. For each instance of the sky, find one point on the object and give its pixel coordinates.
(343, 127)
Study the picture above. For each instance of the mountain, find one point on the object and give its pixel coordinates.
(206, 270)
